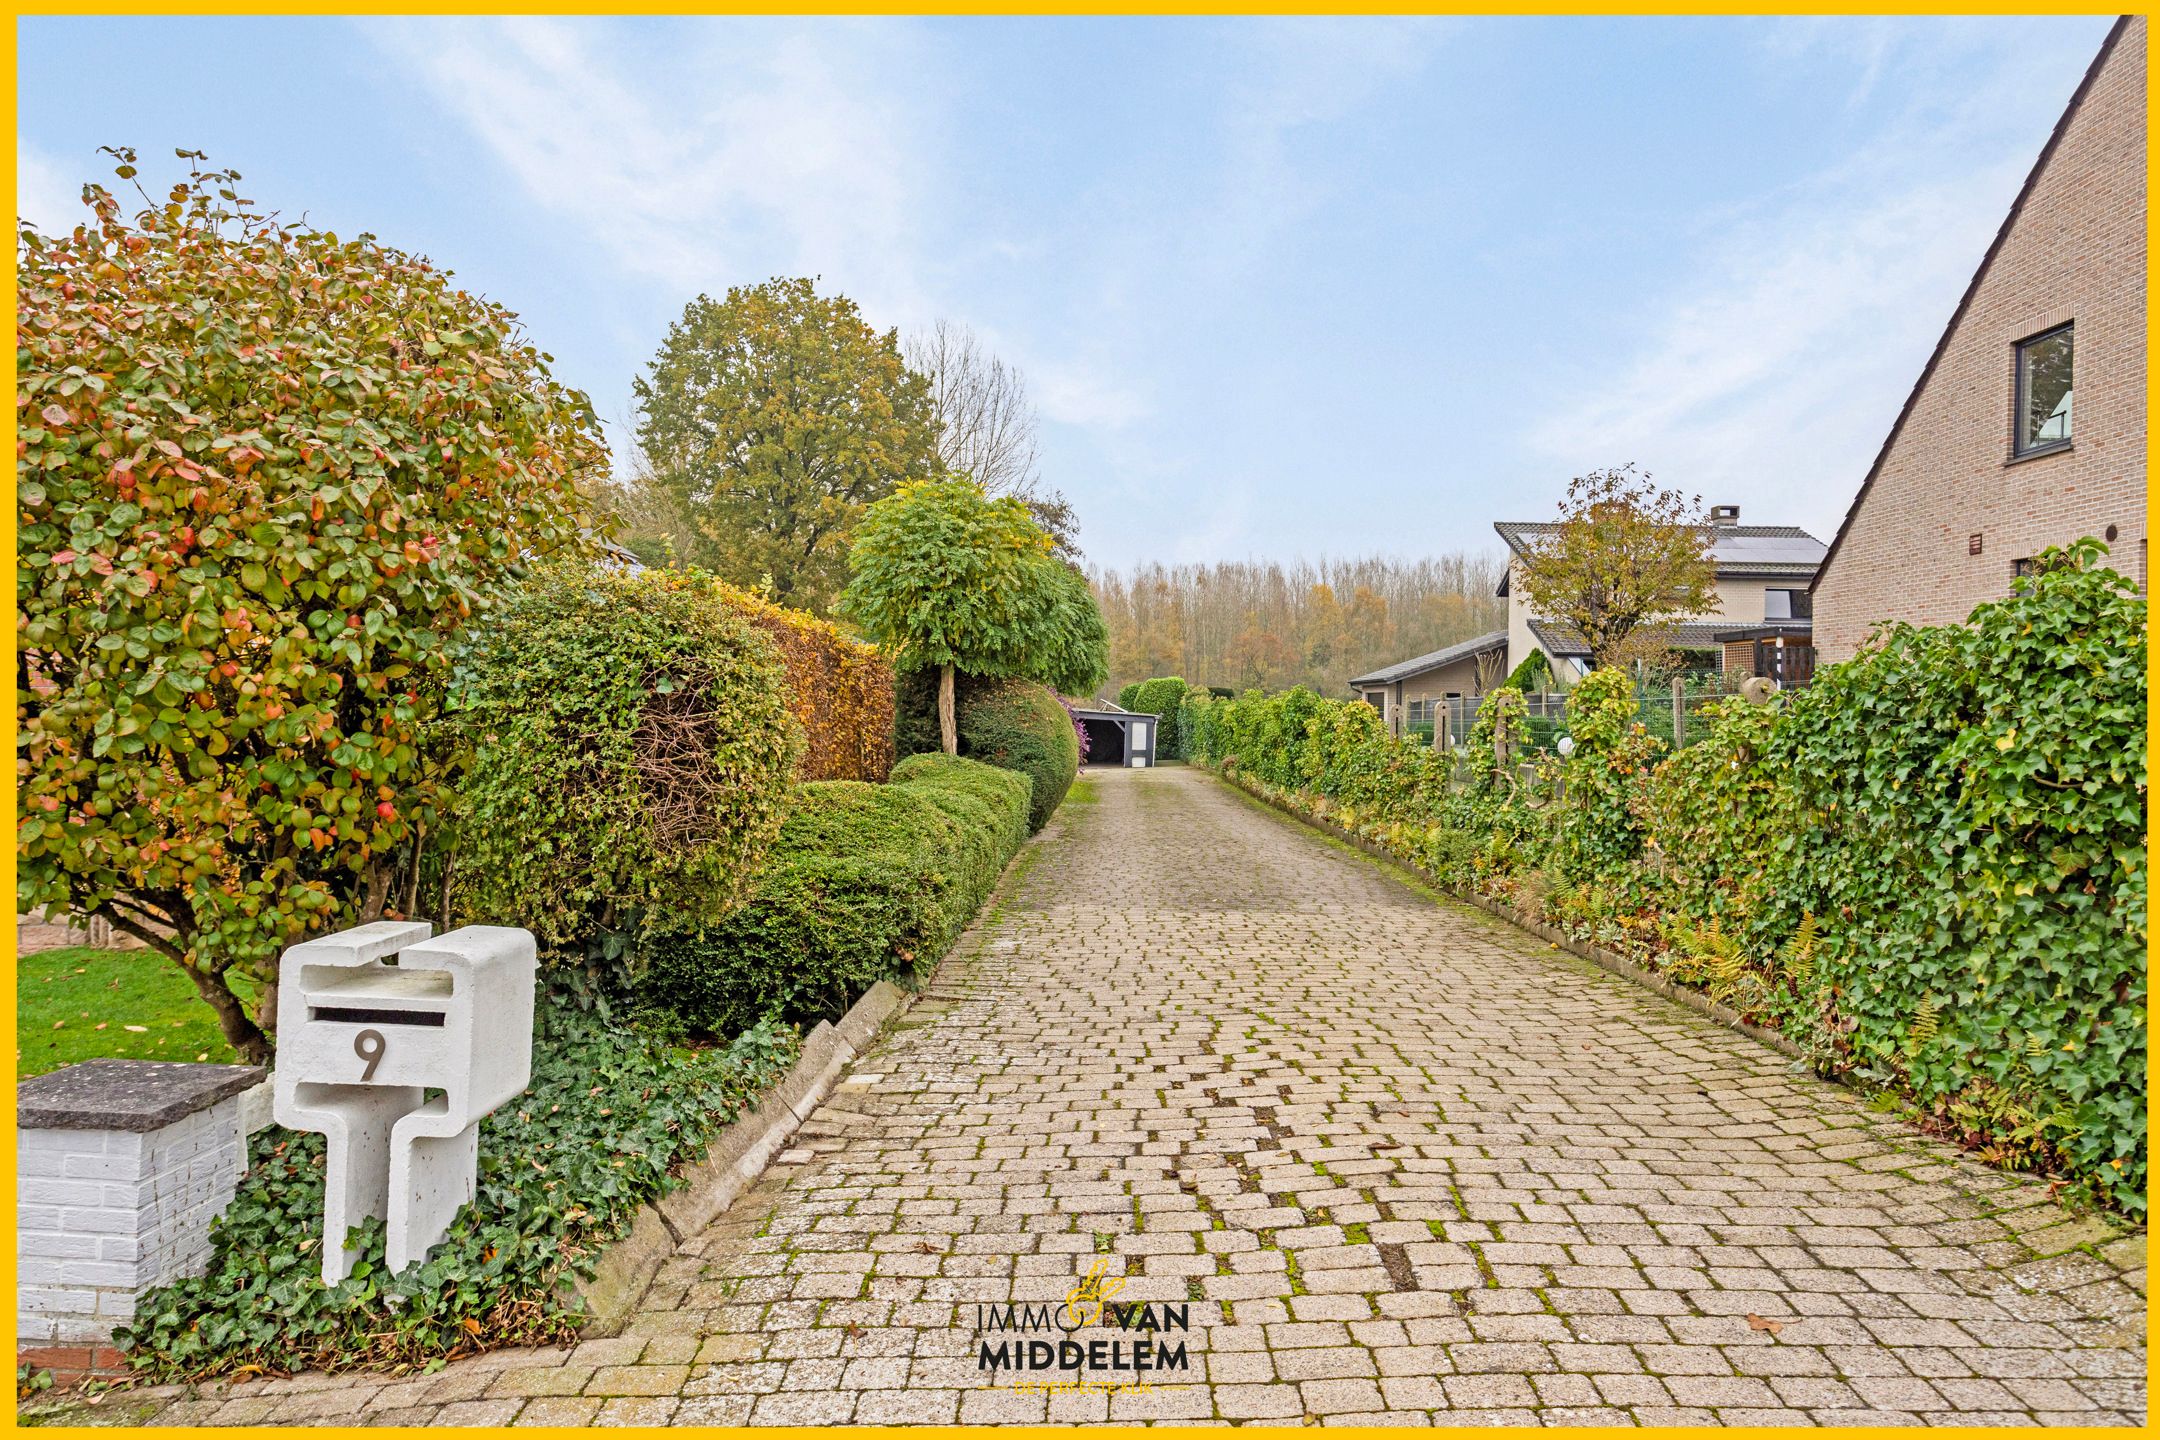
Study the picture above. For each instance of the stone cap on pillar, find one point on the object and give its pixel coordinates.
(133, 1095)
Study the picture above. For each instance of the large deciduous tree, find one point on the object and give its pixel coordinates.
(770, 419)
(1625, 558)
(947, 578)
(264, 474)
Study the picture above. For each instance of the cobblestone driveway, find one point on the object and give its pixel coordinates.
(1401, 1161)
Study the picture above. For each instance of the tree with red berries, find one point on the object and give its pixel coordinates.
(264, 478)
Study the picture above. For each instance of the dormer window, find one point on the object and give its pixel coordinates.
(2043, 391)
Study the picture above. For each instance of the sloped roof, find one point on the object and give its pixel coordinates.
(1770, 629)
(2017, 208)
(1757, 552)
(1407, 668)
(1565, 642)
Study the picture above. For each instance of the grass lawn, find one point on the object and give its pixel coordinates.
(83, 1004)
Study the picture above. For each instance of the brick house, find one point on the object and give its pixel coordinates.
(1984, 467)
(1761, 624)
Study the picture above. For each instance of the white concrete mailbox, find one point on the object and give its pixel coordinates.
(396, 1064)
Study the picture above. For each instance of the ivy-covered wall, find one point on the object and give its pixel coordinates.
(1928, 868)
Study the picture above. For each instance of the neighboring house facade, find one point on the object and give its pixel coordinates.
(1416, 692)
(1989, 463)
(1761, 623)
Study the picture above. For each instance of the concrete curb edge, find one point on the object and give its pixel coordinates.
(733, 1162)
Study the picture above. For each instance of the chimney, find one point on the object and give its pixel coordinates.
(1724, 517)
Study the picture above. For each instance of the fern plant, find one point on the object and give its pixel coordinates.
(1796, 957)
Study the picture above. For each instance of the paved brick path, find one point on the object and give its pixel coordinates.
(1399, 1160)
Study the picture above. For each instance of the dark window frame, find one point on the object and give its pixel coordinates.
(2019, 450)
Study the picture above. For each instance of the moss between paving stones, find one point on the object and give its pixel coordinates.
(1419, 879)
(1603, 959)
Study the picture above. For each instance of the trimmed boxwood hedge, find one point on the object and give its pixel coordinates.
(1020, 726)
(865, 883)
(631, 754)
(1013, 724)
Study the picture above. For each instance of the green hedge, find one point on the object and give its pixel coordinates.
(1013, 724)
(632, 754)
(1020, 726)
(865, 883)
(563, 1169)
(1928, 867)
(1195, 721)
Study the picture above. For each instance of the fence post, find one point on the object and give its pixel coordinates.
(1679, 712)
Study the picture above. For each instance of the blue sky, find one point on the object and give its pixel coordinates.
(1281, 287)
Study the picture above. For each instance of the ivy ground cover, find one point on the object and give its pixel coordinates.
(608, 1117)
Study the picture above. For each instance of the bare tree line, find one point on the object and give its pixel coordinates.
(1245, 623)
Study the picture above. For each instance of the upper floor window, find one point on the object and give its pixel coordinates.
(1788, 605)
(2043, 391)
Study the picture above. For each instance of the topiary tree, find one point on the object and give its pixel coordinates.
(264, 477)
(632, 756)
(950, 580)
(1001, 722)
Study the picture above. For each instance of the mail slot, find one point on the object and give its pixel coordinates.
(393, 1046)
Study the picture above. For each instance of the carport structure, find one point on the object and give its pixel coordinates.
(1119, 737)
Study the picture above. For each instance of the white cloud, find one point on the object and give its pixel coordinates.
(746, 146)
(1074, 392)
(1295, 74)
(1771, 376)
(42, 197)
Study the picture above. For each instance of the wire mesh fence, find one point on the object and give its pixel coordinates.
(1678, 711)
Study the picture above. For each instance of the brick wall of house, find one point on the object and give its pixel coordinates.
(2076, 252)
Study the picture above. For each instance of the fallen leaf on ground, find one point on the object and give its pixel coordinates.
(1756, 1322)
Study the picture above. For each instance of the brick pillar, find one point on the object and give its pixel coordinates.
(120, 1167)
